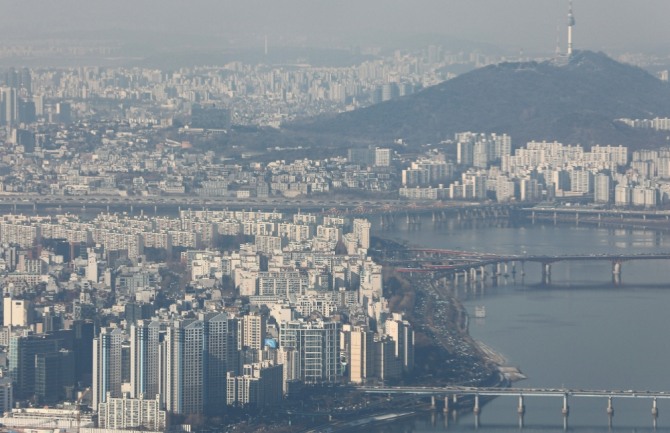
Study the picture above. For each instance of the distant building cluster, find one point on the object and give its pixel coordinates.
(541, 171)
(262, 95)
(657, 123)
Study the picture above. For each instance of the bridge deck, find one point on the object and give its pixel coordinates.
(530, 392)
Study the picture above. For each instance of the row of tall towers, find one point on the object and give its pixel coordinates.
(184, 361)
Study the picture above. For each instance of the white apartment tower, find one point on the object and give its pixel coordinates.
(184, 386)
(601, 190)
(92, 267)
(316, 342)
(361, 230)
(16, 312)
(358, 344)
(253, 331)
(403, 335)
(382, 157)
(144, 368)
(107, 365)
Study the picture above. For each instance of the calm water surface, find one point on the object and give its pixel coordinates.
(581, 332)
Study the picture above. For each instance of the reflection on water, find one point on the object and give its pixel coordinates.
(438, 422)
(579, 332)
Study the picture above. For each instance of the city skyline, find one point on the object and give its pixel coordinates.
(254, 216)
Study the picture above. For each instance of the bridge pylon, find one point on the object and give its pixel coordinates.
(654, 412)
(565, 411)
(521, 410)
(546, 273)
(610, 411)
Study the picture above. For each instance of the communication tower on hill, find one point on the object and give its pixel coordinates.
(571, 25)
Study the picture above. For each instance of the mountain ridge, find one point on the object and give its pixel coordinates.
(575, 102)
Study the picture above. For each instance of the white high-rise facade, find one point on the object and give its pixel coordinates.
(317, 344)
(601, 190)
(403, 335)
(92, 267)
(107, 365)
(144, 368)
(184, 367)
(361, 230)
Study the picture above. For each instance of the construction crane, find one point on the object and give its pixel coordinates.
(78, 408)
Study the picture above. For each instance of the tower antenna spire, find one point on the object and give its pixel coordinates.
(571, 24)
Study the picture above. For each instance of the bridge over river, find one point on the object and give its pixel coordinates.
(472, 265)
(455, 395)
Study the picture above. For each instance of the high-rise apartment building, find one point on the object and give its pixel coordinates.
(107, 364)
(402, 333)
(144, 365)
(9, 107)
(253, 331)
(184, 367)
(221, 357)
(317, 344)
(358, 344)
(382, 157)
(601, 190)
(361, 230)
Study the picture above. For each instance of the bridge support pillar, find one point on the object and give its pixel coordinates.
(555, 218)
(454, 413)
(476, 410)
(610, 411)
(616, 272)
(546, 273)
(432, 402)
(521, 410)
(465, 276)
(446, 404)
(565, 411)
(654, 413)
(482, 271)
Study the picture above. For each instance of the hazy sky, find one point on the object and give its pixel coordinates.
(613, 25)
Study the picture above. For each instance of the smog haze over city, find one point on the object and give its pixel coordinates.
(344, 216)
(530, 25)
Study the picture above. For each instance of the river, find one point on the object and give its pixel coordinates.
(580, 332)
